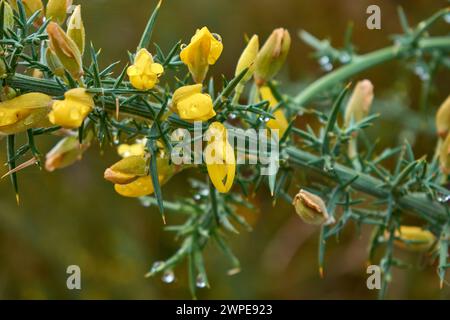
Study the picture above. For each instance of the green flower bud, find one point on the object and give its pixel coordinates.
(8, 22)
(272, 56)
(57, 10)
(75, 29)
(54, 63)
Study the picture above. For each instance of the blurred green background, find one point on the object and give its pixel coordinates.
(73, 216)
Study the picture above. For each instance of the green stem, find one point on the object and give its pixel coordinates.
(417, 203)
(364, 62)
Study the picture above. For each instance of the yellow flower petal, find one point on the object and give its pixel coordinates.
(142, 186)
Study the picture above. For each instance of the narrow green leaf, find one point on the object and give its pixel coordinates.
(154, 175)
(147, 35)
(12, 164)
(332, 120)
(230, 87)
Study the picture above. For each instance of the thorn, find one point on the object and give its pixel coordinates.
(17, 199)
(163, 216)
(117, 108)
(441, 284)
(321, 273)
(21, 166)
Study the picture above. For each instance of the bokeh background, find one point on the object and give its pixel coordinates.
(73, 216)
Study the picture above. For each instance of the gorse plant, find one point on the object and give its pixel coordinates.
(139, 111)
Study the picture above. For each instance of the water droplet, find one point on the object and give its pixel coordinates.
(443, 198)
(447, 18)
(327, 67)
(266, 119)
(324, 60)
(217, 37)
(156, 266)
(204, 192)
(344, 58)
(233, 116)
(197, 197)
(422, 73)
(168, 276)
(201, 281)
(183, 46)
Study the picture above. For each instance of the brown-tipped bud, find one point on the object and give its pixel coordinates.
(444, 155)
(66, 152)
(75, 29)
(272, 56)
(57, 10)
(358, 106)
(311, 208)
(443, 118)
(413, 238)
(65, 49)
(127, 170)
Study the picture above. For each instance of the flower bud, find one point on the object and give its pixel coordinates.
(247, 59)
(203, 51)
(191, 104)
(444, 155)
(127, 170)
(219, 157)
(66, 50)
(272, 56)
(8, 22)
(358, 106)
(143, 186)
(311, 208)
(66, 152)
(75, 29)
(71, 112)
(24, 112)
(54, 63)
(57, 10)
(280, 122)
(413, 238)
(443, 118)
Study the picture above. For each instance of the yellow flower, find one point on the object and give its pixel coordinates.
(57, 10)
(219, 158)
(191, 104)
(272, 56)
(444, 155)
(126, 150)
(311, 208)
(65, 49)
(203, 50)
(144, 73)
(71, 112)
(127, 170)
(142, 185)
(443, 118)
(280, 122)
(24, 112)
(31, 6)
(66, 152)
(75, 29)
(413, 238)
